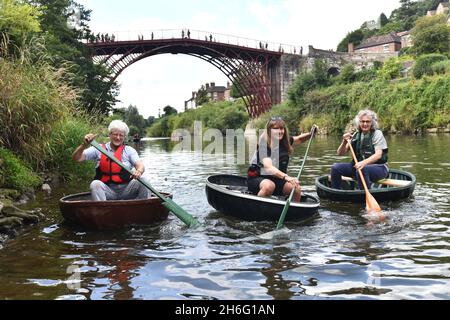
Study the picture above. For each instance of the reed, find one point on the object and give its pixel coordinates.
(34, 99)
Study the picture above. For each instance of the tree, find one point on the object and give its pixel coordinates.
(431, 35)
(347, 74)
(202, 96)
(18, 20)
(65, 49)
(150, 120)
(168, 110)
(320, 71)
(391, 69)
(383, 20)
(354, 37)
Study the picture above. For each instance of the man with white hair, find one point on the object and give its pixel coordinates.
(370, 148)
(112, 182)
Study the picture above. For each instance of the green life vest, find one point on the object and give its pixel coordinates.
(364, 148)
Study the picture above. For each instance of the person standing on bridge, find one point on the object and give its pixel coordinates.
(111, 182)
(267, 174)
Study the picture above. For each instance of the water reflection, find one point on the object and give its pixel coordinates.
(335, 255)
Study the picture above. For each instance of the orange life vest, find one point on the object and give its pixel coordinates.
(110, 172)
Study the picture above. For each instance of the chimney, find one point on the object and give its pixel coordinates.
(207, 86)
(213, 84)
(193, 94)
(351, 47)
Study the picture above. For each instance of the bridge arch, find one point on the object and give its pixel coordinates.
(252, 71)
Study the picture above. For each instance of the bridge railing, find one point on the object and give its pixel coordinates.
(160, 34)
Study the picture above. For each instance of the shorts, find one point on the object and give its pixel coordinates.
(254, 182)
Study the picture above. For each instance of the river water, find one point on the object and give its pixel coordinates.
(336, 255)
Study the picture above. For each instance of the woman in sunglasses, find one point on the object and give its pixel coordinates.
(267, 174)
(370, 148)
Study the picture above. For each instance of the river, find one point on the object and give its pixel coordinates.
(336, 255)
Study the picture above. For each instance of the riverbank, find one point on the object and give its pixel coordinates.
(13, 219)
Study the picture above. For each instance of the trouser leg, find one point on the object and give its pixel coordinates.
(338, 170)
(101, 192)
(372, 173)
(136, 190)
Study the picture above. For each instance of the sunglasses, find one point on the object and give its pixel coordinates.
(275, 118)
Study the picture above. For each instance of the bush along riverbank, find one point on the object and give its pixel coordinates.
(40, 125)
(17, 183)
(407, 106)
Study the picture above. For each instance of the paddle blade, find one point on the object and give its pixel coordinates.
(371, 203)
(189, 220)
(373, 208)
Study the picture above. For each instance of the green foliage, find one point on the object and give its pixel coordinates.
(441, 67)
(15, 174)
(202, 96)
(18, 19)
(168, 110)
(308, 81)
(34, 97)
(401, 19)
(393, 26)
(234, 91)
(347, 74)
(135, 121)
(391, 69)
(366, 75)
(219, 115)
(424, 64)
(288, 112)
(355, 37)
(383, 20)
(401, 106)
(65, 49)
(67, 135)
(320, 72)
(431, 35)
(302, 83)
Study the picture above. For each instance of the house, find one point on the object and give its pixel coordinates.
(215, 93)
(218, 93)
(388, 43)
(405, 38)
(190, 104)
(442, 8)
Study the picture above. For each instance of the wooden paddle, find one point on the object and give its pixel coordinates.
(372, 206)
(167, 202)
(288, 202)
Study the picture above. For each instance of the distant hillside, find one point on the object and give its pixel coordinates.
(401, 19)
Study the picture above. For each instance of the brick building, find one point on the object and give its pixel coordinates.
(387, 43)
(215, 93)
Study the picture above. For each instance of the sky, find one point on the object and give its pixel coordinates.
(161, 80)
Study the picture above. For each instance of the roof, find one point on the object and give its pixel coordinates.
(216, 89)
(403, 33)
(379, 40)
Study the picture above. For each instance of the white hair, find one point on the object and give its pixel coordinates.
(118, 125)
(371, 114)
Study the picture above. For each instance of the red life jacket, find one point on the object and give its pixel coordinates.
(110, 172)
